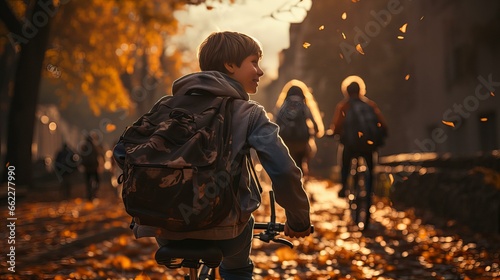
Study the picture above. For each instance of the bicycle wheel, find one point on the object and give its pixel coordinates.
(357, 193)
(352, 193)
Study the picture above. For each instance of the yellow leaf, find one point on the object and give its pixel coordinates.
(122, 262)
(306, 45)
(286, 254)
(344, 15)
(321, 27)
(451, 124)
(142, 276)
(403, 28)
(360, 134)
(401, 37)
(110, 127)
(407, 77)
(360, 49)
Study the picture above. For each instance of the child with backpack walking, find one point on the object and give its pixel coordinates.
(362, 130)
(229, 63)
(300, 122)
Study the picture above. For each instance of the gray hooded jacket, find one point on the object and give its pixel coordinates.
(262, 136)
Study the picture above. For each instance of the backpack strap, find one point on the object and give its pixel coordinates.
(253, 174)
(249, 160)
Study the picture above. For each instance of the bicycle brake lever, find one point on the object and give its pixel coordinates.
(263, 237)
(283, 241)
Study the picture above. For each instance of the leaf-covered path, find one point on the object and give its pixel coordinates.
(76, 239)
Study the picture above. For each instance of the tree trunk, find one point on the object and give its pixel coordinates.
(25, 98)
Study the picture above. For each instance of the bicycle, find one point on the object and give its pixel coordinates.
(202, 258)
(357, 193)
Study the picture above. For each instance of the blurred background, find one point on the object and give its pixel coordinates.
(73, 68)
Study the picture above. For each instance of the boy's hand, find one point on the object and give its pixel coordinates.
(291, 233)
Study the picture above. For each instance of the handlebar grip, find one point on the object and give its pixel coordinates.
(277, 226)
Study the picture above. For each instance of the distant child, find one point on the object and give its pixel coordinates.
(300, 122)
(368, 114)
(229, 63)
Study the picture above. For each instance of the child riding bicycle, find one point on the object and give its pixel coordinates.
(362, 129)
(229, 63)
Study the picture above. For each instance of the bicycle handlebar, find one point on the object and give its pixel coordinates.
(271, 231)
(277, 227)
(280, 227)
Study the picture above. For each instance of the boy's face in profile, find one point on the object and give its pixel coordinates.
(247, 74)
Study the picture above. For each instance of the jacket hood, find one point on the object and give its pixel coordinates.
(215, 82)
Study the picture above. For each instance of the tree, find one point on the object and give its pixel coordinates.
(29, 39)
(100, 44)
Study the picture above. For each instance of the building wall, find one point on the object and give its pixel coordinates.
(447, 47)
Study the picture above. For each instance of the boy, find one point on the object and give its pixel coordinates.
(230, 67)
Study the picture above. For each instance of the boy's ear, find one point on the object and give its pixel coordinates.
(229, 67)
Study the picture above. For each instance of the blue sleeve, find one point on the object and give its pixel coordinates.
(284, 174)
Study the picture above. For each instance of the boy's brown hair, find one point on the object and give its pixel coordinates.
(226, 47)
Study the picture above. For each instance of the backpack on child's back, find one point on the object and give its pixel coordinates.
(362, 130)
(292, 120)
(177, 169)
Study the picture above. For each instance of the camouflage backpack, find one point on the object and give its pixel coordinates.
(177, 173)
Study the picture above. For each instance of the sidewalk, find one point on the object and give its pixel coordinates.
(90, 240)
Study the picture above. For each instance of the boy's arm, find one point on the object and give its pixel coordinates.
(284, 174)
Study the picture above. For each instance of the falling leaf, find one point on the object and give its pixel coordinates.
(343, 35)
(369, 142)
(360, 134)
(492, 94)
(422, 18)
(360, 49)
(306, 45)
(344, 15)
(341, 56)
(484, 119)
(403, 28)
(110, 127)
(451, 124)
(321, 27)
(401, 37)
(7, 164)
(210, 7)
(407, 77)
(391, 178)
